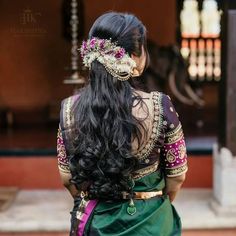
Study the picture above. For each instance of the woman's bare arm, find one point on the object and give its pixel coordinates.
(173, 185)
(65, 177)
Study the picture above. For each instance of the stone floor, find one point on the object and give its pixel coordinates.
(47, 211)
(194, 207)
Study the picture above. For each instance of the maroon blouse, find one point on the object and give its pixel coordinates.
(165, 149)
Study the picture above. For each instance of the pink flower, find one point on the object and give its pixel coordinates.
(84, 45)
(102, 44)
(92, 42)
(120, 53)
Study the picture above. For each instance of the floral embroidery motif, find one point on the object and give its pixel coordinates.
(182, 151)
(158, 113)
(171, 155)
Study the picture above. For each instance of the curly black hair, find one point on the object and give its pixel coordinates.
(104, 124)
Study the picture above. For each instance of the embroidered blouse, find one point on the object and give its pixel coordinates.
(165, 147)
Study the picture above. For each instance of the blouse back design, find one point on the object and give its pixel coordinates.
(165, 148)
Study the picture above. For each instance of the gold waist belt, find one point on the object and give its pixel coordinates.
(143, 195)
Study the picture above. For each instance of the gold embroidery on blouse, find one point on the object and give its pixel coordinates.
(177, 170)
(60, 147)
(174, 131)
(61, 153)
(182, 151)
(170, 155)
(174, 135)
(59, 134)
(145, 171)
(68, 113)
(158, 111)
(68, 119)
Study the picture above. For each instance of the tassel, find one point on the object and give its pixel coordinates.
(82, 205)
(131, 209)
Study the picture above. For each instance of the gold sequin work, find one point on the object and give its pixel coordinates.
(145, 171)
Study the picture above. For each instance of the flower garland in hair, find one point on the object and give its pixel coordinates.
(114, 58)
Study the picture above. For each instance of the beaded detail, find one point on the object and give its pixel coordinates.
(157, 121)
(174, 135)
(68, 114)
(177, 171)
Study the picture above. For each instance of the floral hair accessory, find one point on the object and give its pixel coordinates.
(114, 58)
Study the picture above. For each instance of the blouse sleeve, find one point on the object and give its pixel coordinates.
(174, 148)
(62, 158)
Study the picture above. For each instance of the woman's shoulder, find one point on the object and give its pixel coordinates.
(72, 97)
(163, 98)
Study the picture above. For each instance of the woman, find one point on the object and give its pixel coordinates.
(121, 151)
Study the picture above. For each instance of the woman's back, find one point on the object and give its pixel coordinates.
(161, 154)
(121, 152)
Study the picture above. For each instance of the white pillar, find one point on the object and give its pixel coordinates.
(224, 181)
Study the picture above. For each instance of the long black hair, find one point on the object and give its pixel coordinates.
(104, 124)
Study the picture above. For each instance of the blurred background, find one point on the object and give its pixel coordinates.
(192, 46)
